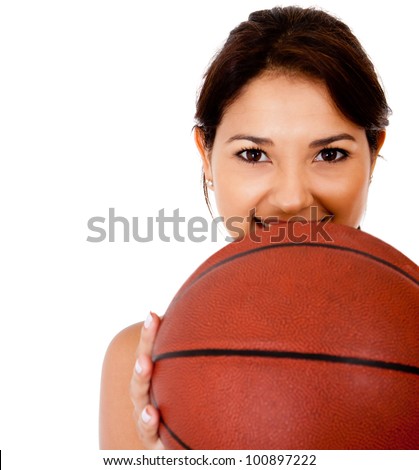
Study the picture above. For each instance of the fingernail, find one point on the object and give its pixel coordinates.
(145, 416)
(138, 367)
(148, 320)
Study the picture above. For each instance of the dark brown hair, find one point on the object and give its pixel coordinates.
(294, 40)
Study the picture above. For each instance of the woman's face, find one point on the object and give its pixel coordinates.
(283, 150)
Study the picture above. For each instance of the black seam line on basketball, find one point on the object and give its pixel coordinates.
(169, 430)
(356, 361)
(288, 245)
(315, 245)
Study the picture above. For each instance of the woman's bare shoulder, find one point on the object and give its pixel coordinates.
(117, 428)
(125, 341)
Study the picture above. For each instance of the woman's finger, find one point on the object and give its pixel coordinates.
(148, 428)
(143, 369)
(146, 416)
(148, 334)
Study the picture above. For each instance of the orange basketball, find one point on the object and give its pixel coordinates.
(295, 338)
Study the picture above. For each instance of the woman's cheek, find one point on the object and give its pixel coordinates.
(347, 200)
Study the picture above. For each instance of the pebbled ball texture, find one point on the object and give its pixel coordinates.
(309, 341)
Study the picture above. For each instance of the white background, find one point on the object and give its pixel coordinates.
(97, 102)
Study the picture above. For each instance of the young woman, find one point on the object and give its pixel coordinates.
(290, 120)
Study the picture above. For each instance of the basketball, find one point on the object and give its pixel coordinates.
(297, 337)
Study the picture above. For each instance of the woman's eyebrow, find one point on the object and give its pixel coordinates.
(252, 138)
(314, 144)
(331, 139)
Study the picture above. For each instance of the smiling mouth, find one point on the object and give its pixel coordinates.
(275, 220)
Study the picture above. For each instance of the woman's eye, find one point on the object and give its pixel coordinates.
(253, 155)
(331, 155)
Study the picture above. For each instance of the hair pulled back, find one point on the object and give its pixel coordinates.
(301, 41)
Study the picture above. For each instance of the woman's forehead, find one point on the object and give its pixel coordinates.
(273, 104)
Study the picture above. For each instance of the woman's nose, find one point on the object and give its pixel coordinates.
(290, 193)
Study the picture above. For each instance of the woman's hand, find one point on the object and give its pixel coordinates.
(146, 417)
